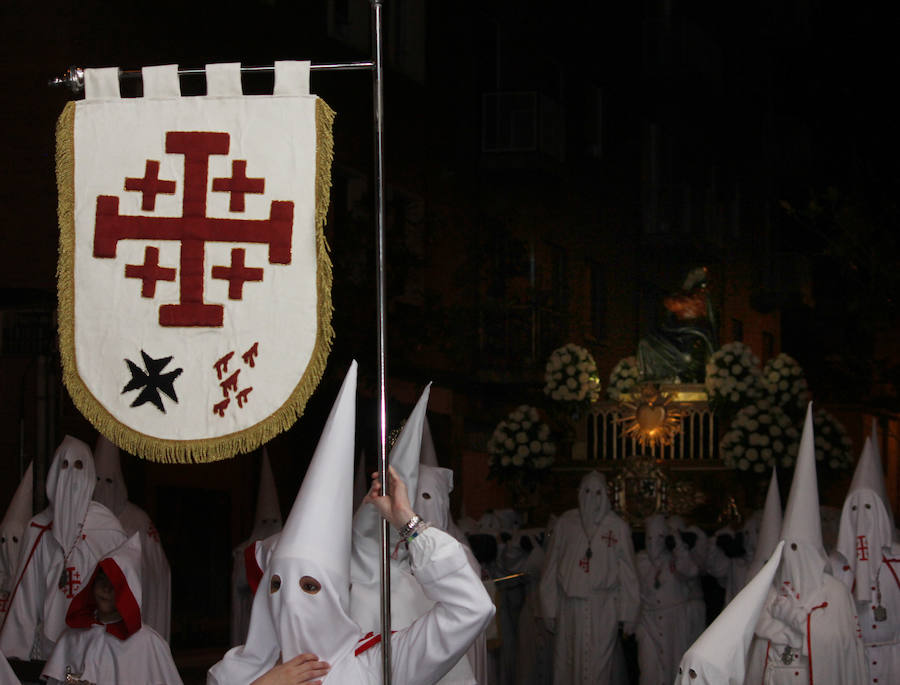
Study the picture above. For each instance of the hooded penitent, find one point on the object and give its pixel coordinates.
(593, 501)
(769, 528)
(156, 575)
(72, 478)
(808, 627)
(59, 556)
(404, 457)
(110, 653)
(309, 588)
(719, 655)
(12, 530)
(429, 454)
(589, 572)
(408, 601)
(655, 532)
(433, 497)
(110, 489)
(865, 527)
(268, 511)
(876, 454)
(243, 577)
(301, 604)
(804, 560)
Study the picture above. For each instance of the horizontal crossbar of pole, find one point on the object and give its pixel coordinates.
(74, 76)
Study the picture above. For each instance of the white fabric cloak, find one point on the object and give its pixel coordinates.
(584, 597)
(421, 653)
(663, 630)
(126, 651)
(50, 575)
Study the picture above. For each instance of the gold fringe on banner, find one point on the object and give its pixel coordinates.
(208, 449)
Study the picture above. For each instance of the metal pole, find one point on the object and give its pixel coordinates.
(378, 112)
(73, 79)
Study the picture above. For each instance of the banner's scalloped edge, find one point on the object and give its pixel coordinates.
(207, 449)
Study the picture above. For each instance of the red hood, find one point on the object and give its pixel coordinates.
(123, 569)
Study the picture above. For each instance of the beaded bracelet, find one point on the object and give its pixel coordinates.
(413, 528)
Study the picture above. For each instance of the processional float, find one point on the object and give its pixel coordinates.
(186, 240)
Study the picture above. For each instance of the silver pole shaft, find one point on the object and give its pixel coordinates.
(73, 79)
(378, 111)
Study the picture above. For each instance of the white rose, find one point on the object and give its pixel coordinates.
(549, 448)
(518, 460)
(504, 461)
(509, 443)
(535, 446)
(522, 451)
(766, 453)
(743, 464)
(738, 450)
(752, 454)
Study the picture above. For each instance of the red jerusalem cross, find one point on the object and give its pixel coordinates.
(610, 539)
(237, 274)
(238, 185)
(149, 272)
(193, 229)
(862, 548)
(150, 186)
(70, 581)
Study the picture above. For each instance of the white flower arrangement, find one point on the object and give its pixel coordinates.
(832, 442)
(760, 436)
(623, 378)
(733, 378)
(521, 443)
(786, 383)
(571, 375)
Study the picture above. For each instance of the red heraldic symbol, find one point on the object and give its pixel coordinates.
(862, 548)
(193, 229)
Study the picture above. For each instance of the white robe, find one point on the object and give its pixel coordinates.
(829, 643)
(124, 651)
(586, 598)
(881, 638)
(37, 607)
(665, 626)
(103, 659)
(421, 653)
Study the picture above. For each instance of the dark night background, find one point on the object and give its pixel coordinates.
(552, 172)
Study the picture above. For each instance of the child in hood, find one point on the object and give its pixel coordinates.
(105, 642)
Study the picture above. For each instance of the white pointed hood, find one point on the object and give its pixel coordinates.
(110, 489)
(429, 454)
(360, 480)
(804, 559)
(865, 527)
(268, 511)
(593, 501)
(307, 582)
(719, 655)
(432, 501)
(769, 527)
(70, 486)
(365, 560)
(12, 527)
